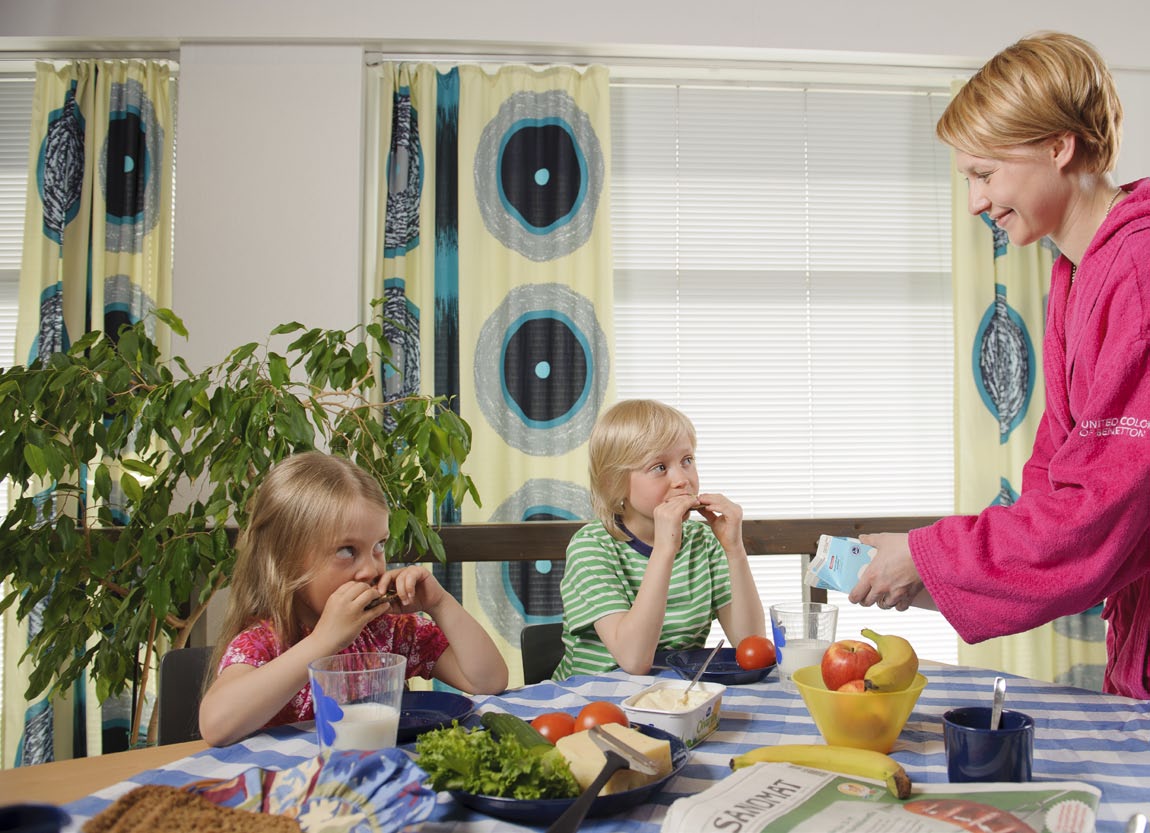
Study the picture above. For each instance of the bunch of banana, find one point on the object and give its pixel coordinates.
(864, 763)
(898, 666)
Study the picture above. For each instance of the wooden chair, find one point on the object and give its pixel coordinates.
(182, 674)
(542, 648)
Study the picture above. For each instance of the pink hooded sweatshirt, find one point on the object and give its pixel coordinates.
(1080, 529)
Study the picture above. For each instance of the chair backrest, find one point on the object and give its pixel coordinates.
(182, 674)
(542, 648)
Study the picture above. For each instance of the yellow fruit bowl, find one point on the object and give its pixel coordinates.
(865, 720)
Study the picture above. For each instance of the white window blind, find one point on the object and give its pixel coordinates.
(782, 275)
(15, 121)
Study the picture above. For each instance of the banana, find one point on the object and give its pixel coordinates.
(865, 763)
(898, 666)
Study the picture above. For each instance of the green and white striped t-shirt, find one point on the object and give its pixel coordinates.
(602, 576)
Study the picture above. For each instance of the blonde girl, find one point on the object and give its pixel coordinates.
(309, 568)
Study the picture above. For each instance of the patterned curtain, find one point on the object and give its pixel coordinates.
(97, 255)
(489, 238)
(1000, 294)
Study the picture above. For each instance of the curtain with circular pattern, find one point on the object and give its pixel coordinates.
(489, 241)
(97, 254)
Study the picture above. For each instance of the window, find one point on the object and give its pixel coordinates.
(782, 275)
(15, 118)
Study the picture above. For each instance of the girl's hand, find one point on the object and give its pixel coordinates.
(415, 587)
(344, 615)
(725, 518)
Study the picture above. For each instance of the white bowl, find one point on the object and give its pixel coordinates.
(691, 725)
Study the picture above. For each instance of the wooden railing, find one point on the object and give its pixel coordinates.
(547, 540)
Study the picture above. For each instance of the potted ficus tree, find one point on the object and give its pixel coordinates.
(131, 472)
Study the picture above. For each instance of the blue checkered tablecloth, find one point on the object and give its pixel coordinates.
(1079, 736)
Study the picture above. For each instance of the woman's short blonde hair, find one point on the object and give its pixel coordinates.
(1041, 86)
(624, 438)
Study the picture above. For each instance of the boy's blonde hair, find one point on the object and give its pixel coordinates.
(625, 437)
(1041, 86)
(299, 509)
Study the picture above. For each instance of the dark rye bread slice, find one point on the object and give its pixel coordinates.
(154, 808)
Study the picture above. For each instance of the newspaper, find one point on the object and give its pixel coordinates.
(837, 563)
(779, 797)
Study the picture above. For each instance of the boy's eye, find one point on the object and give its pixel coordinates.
(658, 467)
(345, 552)
(379, 547)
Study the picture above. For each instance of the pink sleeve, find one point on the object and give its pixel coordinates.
(1070, 542)
(256, 646)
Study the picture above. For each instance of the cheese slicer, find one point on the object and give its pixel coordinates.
(619, 756)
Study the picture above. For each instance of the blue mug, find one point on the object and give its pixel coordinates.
(975, 753)
(32, 818)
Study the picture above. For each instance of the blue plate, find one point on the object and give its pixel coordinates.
(422, 711)
(545, 810)
(723, 668)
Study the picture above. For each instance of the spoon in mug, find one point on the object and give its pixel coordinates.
(996, 706)
(702, 669)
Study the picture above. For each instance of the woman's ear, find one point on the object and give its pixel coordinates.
(1062, 149)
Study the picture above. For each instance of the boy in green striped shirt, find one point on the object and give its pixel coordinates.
(643, 577)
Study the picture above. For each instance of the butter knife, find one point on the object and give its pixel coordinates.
(635, 759)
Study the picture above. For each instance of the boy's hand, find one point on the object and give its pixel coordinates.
(669, 516)
(725, 518)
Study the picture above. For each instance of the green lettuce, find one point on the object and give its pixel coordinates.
(475, 761)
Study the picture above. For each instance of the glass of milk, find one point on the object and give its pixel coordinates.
(802, 632)
(357, 699)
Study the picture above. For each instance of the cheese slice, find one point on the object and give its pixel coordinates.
(587, 760)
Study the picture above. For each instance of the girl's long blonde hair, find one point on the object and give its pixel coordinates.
(298, 510)
(1041, 86)
(626, 436)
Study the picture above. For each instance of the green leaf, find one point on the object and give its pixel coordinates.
(174, 322)
(102, 483)
(138, 467)
(34, 457)
(278, 370)
(131, 487)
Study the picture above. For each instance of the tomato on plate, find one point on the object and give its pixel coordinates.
(755, 652)
(598, 713)
(554, 725)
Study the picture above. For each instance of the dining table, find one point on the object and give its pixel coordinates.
(1080, 735)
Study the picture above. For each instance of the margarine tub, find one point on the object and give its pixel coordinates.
(661, 705)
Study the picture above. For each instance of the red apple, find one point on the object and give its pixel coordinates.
(857, 686)
(846, 660)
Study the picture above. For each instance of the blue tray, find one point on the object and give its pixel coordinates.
(545, 810)
(723, 669)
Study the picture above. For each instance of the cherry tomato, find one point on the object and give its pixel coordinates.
(755, 652)
(598, 713)
(554, 725)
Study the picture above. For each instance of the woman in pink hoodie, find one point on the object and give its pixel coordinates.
(1036, 134)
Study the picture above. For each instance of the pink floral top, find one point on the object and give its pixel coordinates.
(416, 637)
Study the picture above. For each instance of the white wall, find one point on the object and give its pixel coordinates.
(268, 192)
(269, 161)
